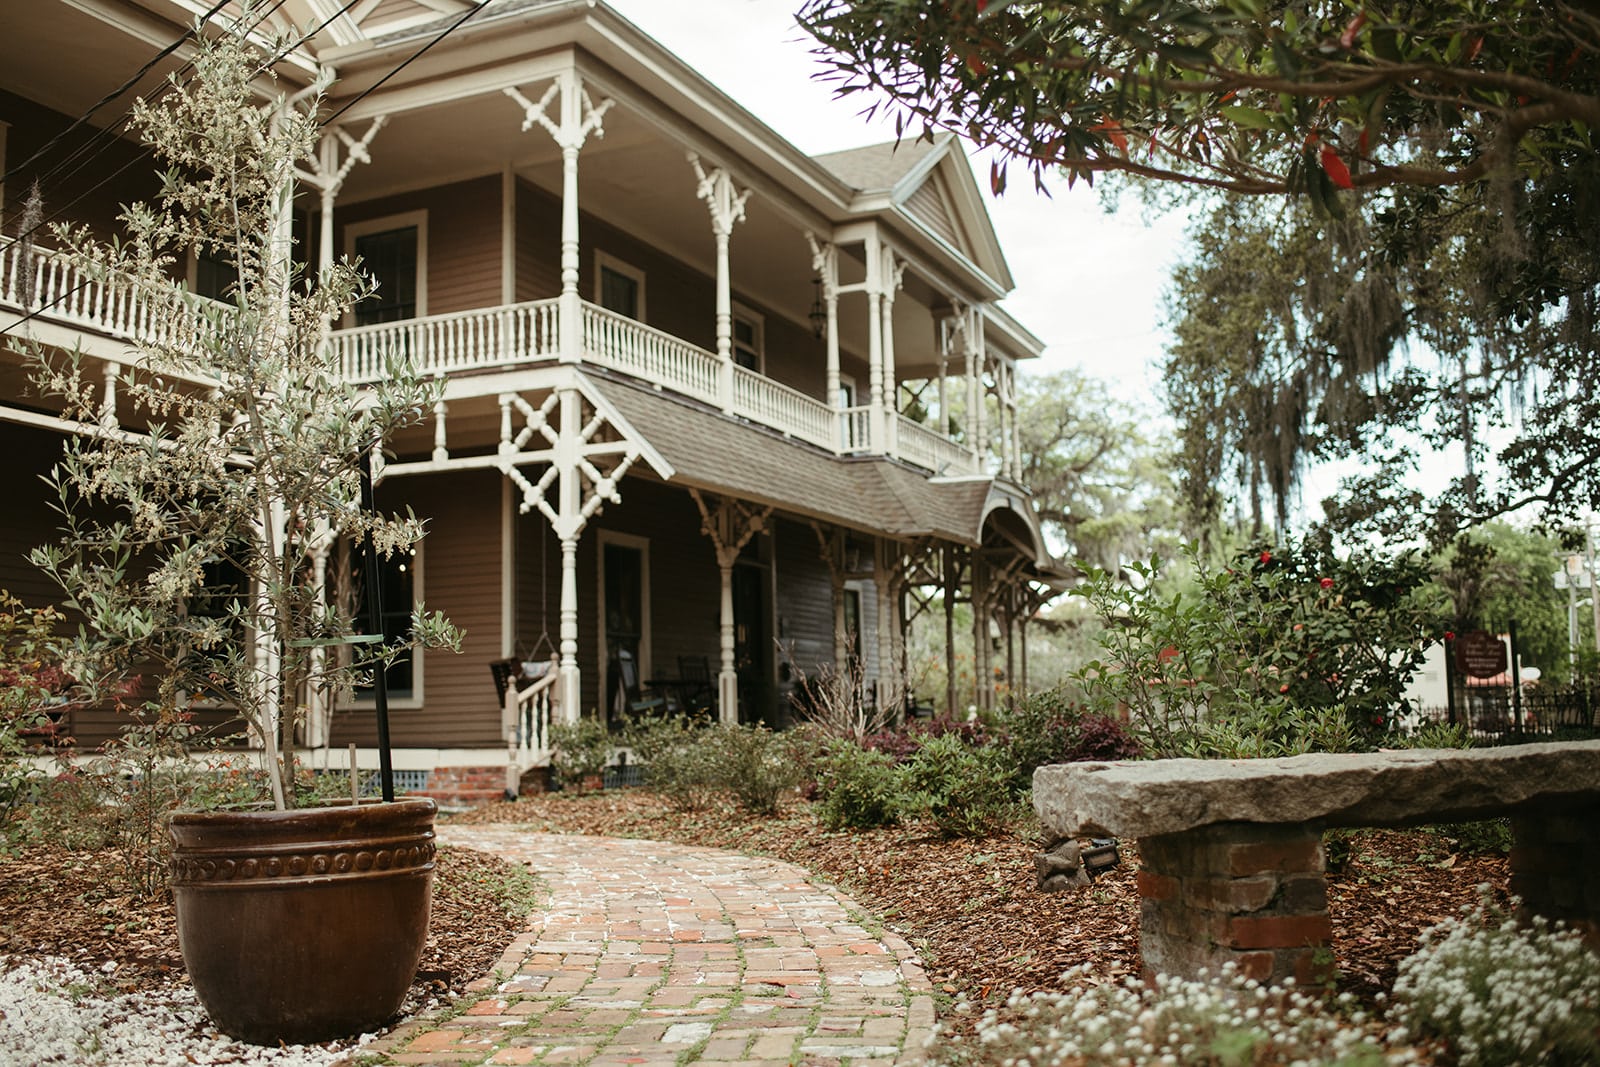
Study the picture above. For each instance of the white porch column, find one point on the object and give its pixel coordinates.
(825, 262)
(983, 399)
(874, 288)
(108, 398)
(571, 682)
(730, 526)
(1016, 428)
(944, 378)
(891, 277)
(441, 449)
(885, 559)
(725, 202)
(579, 117)
(1004, 387)
(974, 421)
(317, 718)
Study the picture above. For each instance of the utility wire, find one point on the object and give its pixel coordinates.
(101, 142)
(104, 100)
(471, 11)
(323, 124)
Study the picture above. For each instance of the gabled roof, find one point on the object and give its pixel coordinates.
(927, 183)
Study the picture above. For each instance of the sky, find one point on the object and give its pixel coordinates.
(1088, 283)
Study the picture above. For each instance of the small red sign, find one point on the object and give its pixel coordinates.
(1480, 654)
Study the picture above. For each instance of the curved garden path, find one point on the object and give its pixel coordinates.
(656, 954)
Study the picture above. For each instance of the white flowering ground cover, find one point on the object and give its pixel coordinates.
(53, 1012)
(1217, 1022)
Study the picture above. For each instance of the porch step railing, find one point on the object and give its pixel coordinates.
(525, 720)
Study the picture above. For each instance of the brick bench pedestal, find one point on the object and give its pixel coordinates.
(1233, 866)
(1254, 896)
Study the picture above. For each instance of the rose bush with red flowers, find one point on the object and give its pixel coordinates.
(1286, 649)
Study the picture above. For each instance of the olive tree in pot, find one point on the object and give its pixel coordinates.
(245, 456)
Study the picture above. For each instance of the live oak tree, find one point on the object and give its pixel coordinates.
(1427, 171)
(1101, 485)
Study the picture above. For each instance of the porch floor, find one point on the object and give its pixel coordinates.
(653, 954)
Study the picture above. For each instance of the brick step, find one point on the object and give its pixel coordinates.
(462, 798)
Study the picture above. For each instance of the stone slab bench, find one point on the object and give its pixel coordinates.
(1233, 867)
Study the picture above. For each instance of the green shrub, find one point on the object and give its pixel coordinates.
(1500, 992)
(1056, 727)
(966, 791)
(31, 680)
(579, 751)
(1286, 650)
(861, 789)
(756, 765)
(1486, 837)
(678, 760)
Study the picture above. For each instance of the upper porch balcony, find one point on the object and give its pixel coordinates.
(521, 335)
(53, 293)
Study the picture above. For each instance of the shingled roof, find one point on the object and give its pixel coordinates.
(878, 166)
(708, 450)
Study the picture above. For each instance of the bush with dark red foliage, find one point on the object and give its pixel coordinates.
(1101, 737)
(903, 744)
(1050, 727)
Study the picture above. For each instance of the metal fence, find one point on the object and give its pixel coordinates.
(1557, 711)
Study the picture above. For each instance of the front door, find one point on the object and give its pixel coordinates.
(752, 643)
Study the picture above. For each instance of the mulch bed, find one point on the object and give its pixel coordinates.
(969, 906)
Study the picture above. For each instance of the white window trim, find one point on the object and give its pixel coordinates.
(604, 261)
(759, 321)
(849, 381)
(419, 219)
(642, 544)
(419, 656)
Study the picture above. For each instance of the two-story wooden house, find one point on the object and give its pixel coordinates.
(707, 400)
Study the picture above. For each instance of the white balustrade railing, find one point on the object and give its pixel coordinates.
(462, 340)
(760, 399)
(645, 352)
(855, 427)
(526, 717)
(59, 290)
(916, 443)
(53, 288)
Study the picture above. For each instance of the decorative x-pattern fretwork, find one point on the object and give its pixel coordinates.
(583, 471)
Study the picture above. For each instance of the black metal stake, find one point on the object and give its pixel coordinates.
(1516, 679)
(1450, 679)
(380, 680)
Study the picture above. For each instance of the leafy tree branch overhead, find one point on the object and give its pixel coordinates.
(1249, 96)
(1434, 281)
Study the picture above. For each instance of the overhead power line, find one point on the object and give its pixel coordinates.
(114, 94)
(274, 60)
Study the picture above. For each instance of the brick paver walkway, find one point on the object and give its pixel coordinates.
(654, 954)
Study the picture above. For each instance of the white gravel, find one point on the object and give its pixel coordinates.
(53, 1012)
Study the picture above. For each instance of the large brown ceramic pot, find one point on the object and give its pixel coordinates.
(303, 926)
